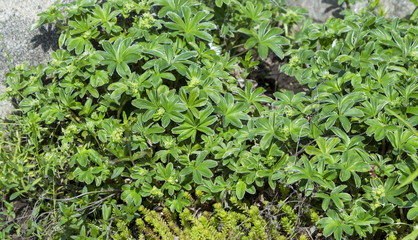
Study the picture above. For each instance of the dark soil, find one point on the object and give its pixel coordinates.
(268, 75)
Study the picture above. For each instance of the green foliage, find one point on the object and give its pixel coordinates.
(265, 38)
(242, 222)
(362, 81)
(136, 107)
(147, 102)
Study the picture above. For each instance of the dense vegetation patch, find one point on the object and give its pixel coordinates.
(145, 124)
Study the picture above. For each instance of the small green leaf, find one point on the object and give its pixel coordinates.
(116, 172)
(106, 211)
(132, 196)
(240, 189)
(412, 213)
(413, 235)
(15, 195)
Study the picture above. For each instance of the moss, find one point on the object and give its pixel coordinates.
(239, 221)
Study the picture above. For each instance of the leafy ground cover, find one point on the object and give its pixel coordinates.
(149, 122)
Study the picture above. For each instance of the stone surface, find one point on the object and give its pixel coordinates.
(397, 8)
(319, 10)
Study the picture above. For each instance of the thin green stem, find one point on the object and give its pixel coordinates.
(404, 121)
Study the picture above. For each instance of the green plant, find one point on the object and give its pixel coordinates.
(137, 102)
(361, 86)
(244, 222)
(148, 102)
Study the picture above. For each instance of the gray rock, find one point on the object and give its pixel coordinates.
(319, 10)
(397, 8)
